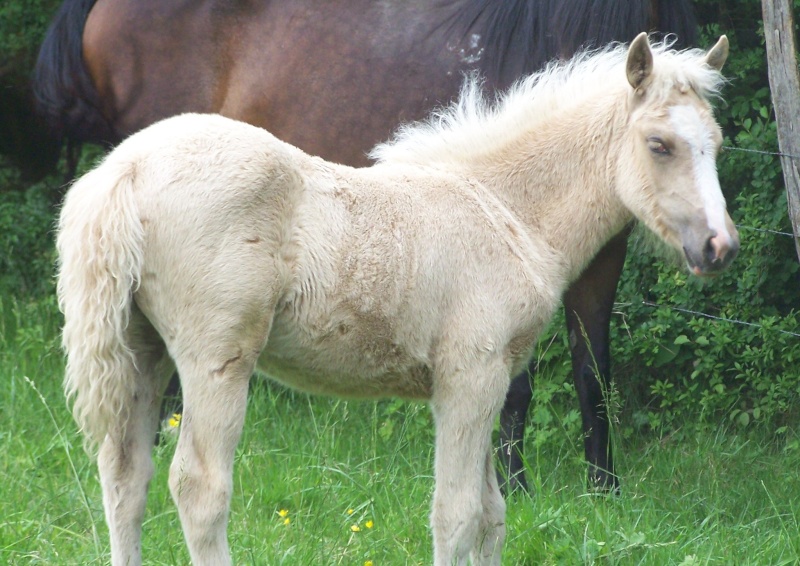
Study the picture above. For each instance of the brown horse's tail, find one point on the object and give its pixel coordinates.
(65, 98)
(100, 238)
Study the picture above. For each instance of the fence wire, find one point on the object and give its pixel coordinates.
(759, 151)
(772, 154)
(720, 318)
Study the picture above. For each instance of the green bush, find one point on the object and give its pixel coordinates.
(26, 238)
(22, 28)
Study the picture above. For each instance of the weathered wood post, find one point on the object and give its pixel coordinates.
(785, 88)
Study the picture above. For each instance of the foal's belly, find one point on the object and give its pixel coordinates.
(344, 363)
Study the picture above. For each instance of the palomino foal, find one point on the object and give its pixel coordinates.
(208, 244)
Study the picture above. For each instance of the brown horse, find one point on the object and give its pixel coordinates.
(334, 78)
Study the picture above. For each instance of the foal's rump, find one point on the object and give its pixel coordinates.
(162, 220)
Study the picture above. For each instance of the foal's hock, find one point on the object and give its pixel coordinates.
(208, 245)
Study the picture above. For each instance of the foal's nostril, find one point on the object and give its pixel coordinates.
(721, 249)
(709, 251)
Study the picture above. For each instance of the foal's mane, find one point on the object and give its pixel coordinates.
(476, 124)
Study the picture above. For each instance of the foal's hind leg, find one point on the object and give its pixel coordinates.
(214, 377)
(124, 461)
(468, 515)
(201, 474)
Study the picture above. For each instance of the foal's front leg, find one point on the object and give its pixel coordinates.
(468, 514)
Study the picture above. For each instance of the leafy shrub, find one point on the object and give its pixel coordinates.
(22, 27)
(26, 238)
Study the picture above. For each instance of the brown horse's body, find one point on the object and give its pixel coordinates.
(324, 81)
(334, 78)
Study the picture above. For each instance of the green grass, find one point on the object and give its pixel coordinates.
(715, 497)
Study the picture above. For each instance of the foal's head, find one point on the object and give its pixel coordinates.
(675, 143)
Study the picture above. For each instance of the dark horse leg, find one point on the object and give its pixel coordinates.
(587, 305)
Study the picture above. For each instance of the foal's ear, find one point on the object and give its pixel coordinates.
(640, 61)
(717, 55)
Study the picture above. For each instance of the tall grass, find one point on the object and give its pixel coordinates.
(323, 481)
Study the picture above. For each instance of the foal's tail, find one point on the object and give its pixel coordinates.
(100, 238)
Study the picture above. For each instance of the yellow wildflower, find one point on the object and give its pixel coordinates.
(369, 524)
(286, 521)
(283, 513)
(350, 511)
(368, 563)
(355, 528)
(175, 420)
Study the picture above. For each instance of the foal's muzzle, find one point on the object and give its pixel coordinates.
(716, 254)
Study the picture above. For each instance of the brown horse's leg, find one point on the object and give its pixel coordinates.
(588, 305)
(512, 431)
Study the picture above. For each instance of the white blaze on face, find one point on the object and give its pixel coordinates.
(688, 125)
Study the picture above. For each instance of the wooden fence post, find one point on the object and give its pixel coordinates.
(785, 89)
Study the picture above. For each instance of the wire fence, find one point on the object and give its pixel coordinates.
(700, 314)
(720, 318)
(759, 151)
(771, 154)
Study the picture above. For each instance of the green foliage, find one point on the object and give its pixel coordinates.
(26, 244)
(22, 27)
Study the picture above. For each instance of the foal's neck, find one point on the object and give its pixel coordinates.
(563, 186)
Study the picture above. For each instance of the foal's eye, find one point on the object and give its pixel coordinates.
(657, 146)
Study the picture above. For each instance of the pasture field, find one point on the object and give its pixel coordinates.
(329, 482)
